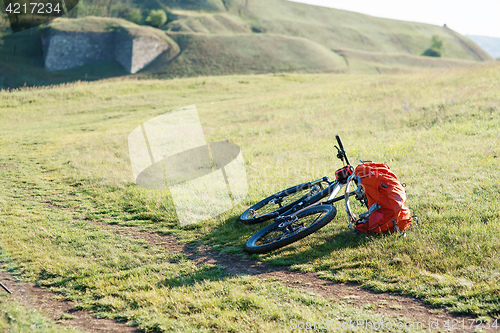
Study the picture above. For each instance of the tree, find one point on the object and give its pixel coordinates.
(134, 15)
(437, 43)
(157, 17)
(436, 49)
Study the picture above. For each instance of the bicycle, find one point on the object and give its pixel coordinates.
(302, 209)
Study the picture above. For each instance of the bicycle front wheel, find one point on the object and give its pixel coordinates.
(275, 204)
(298, 226)
(356, 202)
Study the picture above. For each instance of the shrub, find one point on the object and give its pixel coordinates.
(431, 52)
(436, 49)
(157, 17)
(128, 13)
(437, 43)
(134, 15)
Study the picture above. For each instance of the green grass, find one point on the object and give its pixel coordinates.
(335, 29)
(18, 318)
(205, 55)
(379, 62)
(104, 24)
(64, 161)
(338, 29)
(217, 23)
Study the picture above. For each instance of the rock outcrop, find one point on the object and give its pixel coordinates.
(72, 44)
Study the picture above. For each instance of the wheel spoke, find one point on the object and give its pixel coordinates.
(292, 229)
(269, 239)
(281, 202)
(356, 202)
(275, 203)
(288, 229)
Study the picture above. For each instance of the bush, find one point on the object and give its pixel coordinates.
(431, 52)
(157, 17)
(436, 49)
(134, 15)
(128, 13)
(437, 43)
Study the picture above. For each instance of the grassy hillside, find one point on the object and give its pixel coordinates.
(238, 36)
(337, 29)
(205, 54)
(102, 25)
(379, 62)
(211, 54)
(66, 175)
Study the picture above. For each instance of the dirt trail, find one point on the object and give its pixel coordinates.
(387, 304)
(61, 311)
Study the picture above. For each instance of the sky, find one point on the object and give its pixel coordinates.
(478, 17)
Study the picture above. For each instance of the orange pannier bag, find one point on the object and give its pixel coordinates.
(382, 187)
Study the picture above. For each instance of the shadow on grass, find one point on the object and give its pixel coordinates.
(224, 248)
(300, 253)
(231, 235)
(206, 273)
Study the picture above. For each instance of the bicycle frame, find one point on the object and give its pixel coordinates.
(331, 191)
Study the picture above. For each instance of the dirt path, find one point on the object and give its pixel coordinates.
(387, 304)
(61, 311)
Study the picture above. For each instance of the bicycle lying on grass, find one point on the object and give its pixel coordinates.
(303, 209)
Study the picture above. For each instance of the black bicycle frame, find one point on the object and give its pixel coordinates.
(330, 191)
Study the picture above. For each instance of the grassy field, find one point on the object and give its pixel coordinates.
(15, 317)
(65, 171)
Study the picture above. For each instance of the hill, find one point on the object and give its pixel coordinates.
(340, 29)
(252, 36)
(72, 221)
(490, 44)
(366, 44)
(205, 54)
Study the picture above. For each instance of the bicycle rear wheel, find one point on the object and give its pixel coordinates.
(298, 226)
(275, 204)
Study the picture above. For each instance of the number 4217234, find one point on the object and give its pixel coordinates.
(33, 8)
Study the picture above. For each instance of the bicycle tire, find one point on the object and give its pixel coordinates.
(292, 194)
(327, 212)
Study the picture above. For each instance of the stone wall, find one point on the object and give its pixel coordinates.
(145, 50)
(123, 51)
(65, 50)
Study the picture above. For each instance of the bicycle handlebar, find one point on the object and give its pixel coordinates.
(342, 151)
(339, 142)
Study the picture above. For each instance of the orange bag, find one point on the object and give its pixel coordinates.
(381, 186)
